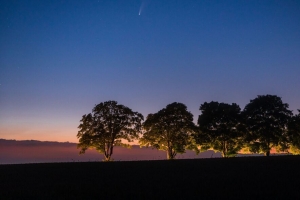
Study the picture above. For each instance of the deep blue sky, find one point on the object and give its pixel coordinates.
(60, 58)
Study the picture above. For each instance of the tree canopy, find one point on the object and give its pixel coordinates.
(266, 119)
(218, 126)
(106, 127)
(169, 130)
(294, 133)
(264, 124)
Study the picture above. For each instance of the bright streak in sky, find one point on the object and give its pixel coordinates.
(143, 5)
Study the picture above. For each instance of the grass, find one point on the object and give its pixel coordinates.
(274, 177)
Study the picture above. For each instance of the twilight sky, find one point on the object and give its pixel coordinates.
(60, 58)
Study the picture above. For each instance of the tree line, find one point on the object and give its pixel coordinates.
(265, 123)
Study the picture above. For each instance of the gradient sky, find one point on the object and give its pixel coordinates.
(60, 58)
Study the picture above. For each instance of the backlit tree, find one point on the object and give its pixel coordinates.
(266, 118)
(106, 127)
(219, 128)
(170, 130)
(294, 133)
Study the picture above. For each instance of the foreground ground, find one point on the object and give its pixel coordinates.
(249, 177)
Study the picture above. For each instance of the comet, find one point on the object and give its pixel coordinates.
(141, 8)
(143, 5)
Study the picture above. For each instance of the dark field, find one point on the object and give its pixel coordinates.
(275, 177)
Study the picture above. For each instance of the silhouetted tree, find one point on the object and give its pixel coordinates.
(266, 119)
(105, 128)
(218, 126)
(294, 133)
(169, 130)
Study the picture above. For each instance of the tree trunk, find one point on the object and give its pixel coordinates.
(267, 153)
(170, 155)
(107, 158)
(108, 152)
(224, 152)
